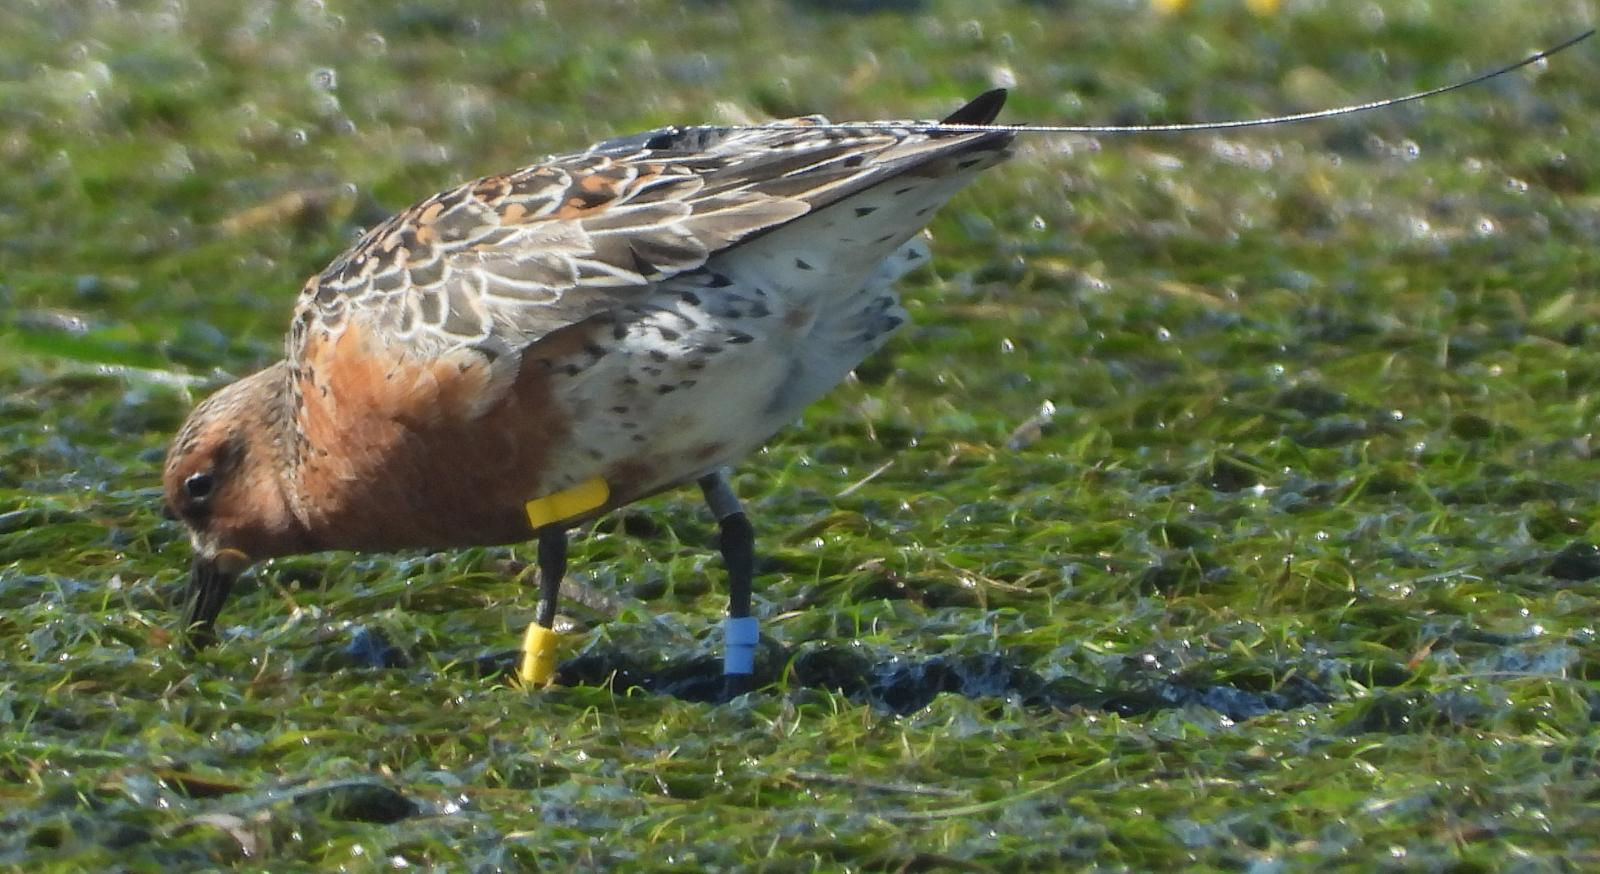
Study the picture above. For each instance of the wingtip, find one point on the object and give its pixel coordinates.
(982, 109)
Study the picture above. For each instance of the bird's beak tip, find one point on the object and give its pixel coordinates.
(210, 580)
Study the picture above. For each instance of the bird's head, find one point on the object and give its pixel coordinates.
(225, 480)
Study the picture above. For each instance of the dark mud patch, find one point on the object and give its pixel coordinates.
(902, 685)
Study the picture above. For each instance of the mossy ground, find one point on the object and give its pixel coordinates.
(1301, 571)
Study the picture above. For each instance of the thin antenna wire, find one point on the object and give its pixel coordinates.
(938, 127)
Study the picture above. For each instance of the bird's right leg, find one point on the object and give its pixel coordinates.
(539, 646)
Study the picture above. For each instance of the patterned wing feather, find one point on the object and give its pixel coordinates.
(504, 260)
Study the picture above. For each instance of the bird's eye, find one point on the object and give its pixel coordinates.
(198, 486)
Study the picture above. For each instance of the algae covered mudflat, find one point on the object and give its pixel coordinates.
(1230, 503)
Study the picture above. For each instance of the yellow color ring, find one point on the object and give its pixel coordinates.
(538, 657)
(568, 503)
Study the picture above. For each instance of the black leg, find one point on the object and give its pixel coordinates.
(539, 647)
(552, 567)
(738, 555)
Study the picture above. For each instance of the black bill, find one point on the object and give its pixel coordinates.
(209, 585)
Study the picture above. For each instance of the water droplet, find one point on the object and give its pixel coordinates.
(175, 164)
(324, 79)
(1039, 223)
(1515, 184)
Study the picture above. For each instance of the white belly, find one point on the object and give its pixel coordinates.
(705, 373)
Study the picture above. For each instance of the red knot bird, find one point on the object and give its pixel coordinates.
(522, 353)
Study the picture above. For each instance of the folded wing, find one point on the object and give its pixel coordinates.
(502, 261)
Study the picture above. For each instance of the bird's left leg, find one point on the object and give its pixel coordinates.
(738, 540)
